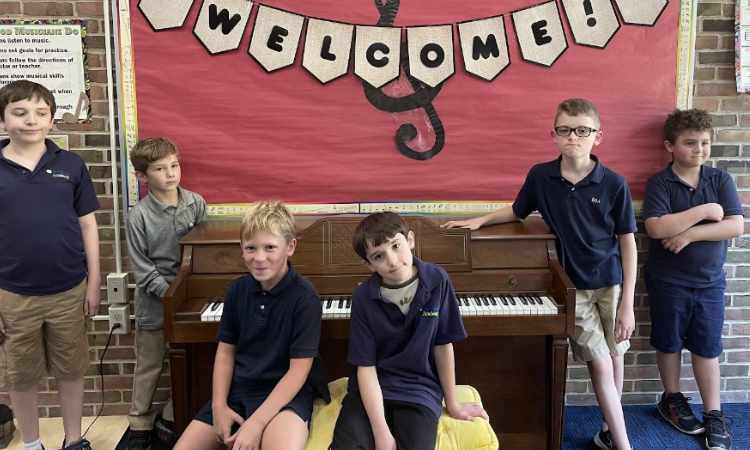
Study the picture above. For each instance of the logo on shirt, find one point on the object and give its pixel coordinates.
(433, 314)
(595, 201)
(56, 174)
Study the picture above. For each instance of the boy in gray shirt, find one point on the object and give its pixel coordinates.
(155, 226)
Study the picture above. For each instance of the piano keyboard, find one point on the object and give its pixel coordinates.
(339, 307)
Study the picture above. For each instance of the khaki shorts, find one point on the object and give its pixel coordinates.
(596, 315)
(46, 331)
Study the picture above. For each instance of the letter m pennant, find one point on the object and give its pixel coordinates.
(221, 23)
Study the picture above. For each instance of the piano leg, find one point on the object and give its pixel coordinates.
(559, 361)
(178, 369)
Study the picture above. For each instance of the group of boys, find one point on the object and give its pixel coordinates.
(404, 317)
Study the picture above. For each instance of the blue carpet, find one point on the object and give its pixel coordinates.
(646, 429)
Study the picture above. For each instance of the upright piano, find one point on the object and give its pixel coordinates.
(516, 302)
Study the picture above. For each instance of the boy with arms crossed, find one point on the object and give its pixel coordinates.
(589, 209)
(404, 320)
(268, 336)
(155, 226)
(49, 262)
(690, 211)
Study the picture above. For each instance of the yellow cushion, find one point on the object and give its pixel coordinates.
(452, 434)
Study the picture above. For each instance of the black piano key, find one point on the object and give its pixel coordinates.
(492, 300)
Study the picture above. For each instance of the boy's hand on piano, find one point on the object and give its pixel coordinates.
(467, 411)
(224, 419)
(472, 224)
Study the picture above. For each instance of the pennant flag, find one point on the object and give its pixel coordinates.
(377, 53)
(275, 38)
(431, 53)
(540, 33)
(484, 46)
(221, 23)
(593, 22)
(640, 12)
(165, 14)
(327, 49)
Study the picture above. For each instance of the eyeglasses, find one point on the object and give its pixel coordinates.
(579, 131)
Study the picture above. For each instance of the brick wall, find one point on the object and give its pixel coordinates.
(714, 91)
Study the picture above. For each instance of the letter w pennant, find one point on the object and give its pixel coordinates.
(221, 23)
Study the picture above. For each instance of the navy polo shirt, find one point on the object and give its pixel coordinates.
(268, 328)
(41, 247)
(586, 218)
(700, 264)
(401, 346)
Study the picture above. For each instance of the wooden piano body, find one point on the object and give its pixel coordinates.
(518, 363)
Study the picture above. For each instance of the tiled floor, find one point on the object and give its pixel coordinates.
(104, 435)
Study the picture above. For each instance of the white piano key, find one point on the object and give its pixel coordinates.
(206, 311)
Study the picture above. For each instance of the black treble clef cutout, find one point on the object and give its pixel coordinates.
(421, 97)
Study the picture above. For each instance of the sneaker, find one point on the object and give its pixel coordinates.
(674, 409)
(717, 432)
(83, 444)
(603, 440)
(7, 427)
(139, 439)
(164, 430)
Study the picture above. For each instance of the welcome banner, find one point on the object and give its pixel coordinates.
(410, 100)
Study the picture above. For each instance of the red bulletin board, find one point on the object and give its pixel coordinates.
(246, 134)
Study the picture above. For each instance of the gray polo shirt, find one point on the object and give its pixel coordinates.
(154, 232)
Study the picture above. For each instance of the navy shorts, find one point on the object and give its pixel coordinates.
(686, 317)
(245, 406)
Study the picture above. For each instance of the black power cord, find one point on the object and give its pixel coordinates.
(101, 375)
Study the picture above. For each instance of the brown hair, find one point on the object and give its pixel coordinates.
(375, 229)
(25, 90)
(577, 107)
(680, 121)
(149, 150)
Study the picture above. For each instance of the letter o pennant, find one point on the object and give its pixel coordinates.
(431, 53)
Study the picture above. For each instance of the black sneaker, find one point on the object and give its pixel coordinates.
(603, 440)
(139, 439)
(717, 432)
(7, 427)
(83, 444)
(674, 408)
(164, 430)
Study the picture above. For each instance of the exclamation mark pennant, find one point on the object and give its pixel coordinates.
(589, 11)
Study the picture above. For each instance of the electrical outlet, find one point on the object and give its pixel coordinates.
(119, 314)
(117, 288)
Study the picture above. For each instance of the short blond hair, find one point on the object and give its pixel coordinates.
(271, 216)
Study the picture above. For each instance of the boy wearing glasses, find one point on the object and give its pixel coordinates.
(589, 209)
